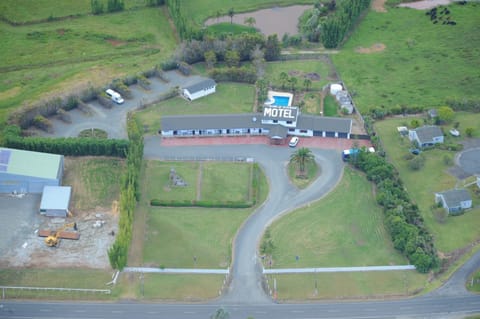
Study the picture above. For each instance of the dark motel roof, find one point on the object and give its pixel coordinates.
(251, 120)
(205, 84)
(204, 122)
(322, 123)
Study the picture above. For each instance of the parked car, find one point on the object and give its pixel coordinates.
(415, 151)
(293, 141)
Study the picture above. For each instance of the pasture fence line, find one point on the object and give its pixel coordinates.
(86, 290)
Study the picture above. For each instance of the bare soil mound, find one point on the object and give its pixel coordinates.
(377, 47)
(379, 5)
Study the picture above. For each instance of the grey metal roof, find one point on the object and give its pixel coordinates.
(55, 197)
(205, 84)
(251, 120)
(427, 133)
(454, 197)
(217, 121)
(277, 131)
(324, 123)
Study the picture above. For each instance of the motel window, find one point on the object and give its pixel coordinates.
(275, 121)
(289, 122)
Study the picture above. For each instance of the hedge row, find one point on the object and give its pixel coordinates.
(70, 146)
(200, 203)
(129, 194)
(403, 218)
(242, 74)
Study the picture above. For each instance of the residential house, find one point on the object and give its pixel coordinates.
(455, 200)
(426, 135)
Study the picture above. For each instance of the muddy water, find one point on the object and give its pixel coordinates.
(279, 20)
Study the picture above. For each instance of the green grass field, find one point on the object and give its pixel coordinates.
(456, 232)
(21, 11)
(330, 106)
(52, 59)
(95, 181)
(422, 64)
(174, 236)
(229, 98)
(298, 69)
(347, 285)
(343, 229)
(207, 180)
(229, 28)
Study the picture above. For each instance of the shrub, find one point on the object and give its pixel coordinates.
(169, 65)
(105, 101)
(242, 74)
(469, 131)
(416, 163)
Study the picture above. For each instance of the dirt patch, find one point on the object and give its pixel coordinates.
(115, 43)
(379, 5)
(377, 47)
(90, 251)
(313, 76)
(426, 4)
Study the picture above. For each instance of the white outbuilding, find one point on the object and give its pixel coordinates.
(335, 88)
(199, 89)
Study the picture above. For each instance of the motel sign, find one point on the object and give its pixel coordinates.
(279, 112)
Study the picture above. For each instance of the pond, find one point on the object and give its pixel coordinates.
(279, 20)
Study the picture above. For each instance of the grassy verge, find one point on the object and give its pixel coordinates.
(343, 229)
(229, 28)
(353, 285)
(95, 181)
(188, 288)
(59, 278)
(422, 64)
(451, 233)
(229, 98)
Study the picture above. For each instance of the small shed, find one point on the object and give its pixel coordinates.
(199, 89)
(455, 200)
(55, 201)
(335, 88)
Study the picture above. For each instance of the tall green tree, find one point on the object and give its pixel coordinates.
(283, 79)
(307, 83)
(231, 13)
(272, 48)
(293, 82)
(301, 158)
(445, 114)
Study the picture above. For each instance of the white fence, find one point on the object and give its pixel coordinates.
(104, 291)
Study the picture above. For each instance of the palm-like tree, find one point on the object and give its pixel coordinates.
(231, 13)
(302, 157)
(307, 83)
(293, 82)
(283, 79)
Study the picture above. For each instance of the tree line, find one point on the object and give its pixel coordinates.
(129, 195)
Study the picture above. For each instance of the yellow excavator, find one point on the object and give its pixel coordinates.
(53, 239)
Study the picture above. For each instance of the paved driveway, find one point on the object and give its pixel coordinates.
(247, 278)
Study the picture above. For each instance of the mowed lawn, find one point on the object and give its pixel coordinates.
(174, 236)
(205, 181)
(44, 60)
(422, 64)
(456, 232)
(95, 181)
(232, 98)
(343, 229)
(383, 284)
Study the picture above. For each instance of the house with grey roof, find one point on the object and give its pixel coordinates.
(28, 172)
(454, 201)
(275, 122)
(424, 136)
(199, 89)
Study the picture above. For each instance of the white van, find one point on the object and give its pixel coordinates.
(115, 96)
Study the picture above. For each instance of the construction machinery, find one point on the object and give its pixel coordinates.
(53, 237)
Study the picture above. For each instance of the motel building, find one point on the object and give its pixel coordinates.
(276, 122)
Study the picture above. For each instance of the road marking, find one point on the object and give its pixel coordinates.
(80, 310)
(117, 311)
(189, 312)
(46, 310)
(297, 311)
